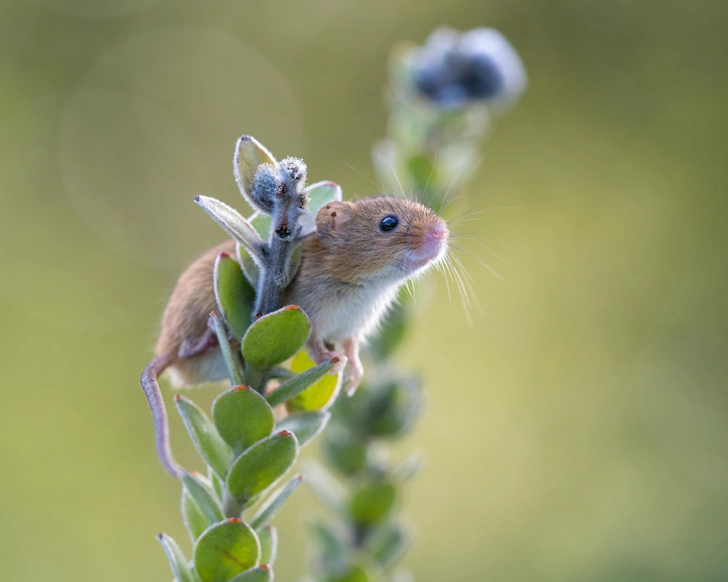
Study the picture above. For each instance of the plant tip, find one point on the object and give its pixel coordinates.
(264, 567)
(235, 520)
(240, 387)
(285, 433)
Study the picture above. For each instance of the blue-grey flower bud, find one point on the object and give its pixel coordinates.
(453, 69)
(265, 187)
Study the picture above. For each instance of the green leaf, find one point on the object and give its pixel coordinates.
(203, 498)
(234, 370)
(372, 503)
(225, 550)
(318, 194)
(234, 224)
(261, 223)
(204, 435)
(242, 417)
(250, 269)
(249, 154)
(276, 337)
(332, 548)
(275, 502)
(294, 262)
(234, 295)
(268, 537)
(194, 520)
(388, 544)
(294, 386)
(177, 560)
(262, 465)
(408, 468)
(354, 573)
(321, 394)
(347, 455)
(263, 573)
(305, 425)
(218, 483)
(395, 407)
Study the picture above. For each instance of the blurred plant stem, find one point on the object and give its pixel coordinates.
(441, 98)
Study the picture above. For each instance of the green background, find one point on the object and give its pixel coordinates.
(577, 431)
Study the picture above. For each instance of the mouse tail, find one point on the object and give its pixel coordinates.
(159, 412)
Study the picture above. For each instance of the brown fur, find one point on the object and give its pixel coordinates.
(192, 300)
(349, 275)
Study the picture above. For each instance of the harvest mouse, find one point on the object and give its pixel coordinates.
(362, 252)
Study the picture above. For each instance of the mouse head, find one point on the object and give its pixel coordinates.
(383, 237)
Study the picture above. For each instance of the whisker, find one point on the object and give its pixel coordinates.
(482, 244)
(363, 175)
(481, 262)
(432, 170)
(396, 177)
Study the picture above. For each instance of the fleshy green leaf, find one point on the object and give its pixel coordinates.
(347, 455)
(250, 269)
(268, 537)
(234, 295)
(354, 573)
(300, 382)
(249, 154)
(395, 407)
(263, 573)
(204, 435)
(203, 498)
(218, 483)
(305, 425)
(408, 468)
(334, 552)
(276, 337)
(230, 357)
(273, 505)
(242, 417)
(177, 560)
(262, 465)
(194, 520)
(225, 550)
(372, 503)
(319, 395)
(261, 223)
(234, 224)
(388, 543)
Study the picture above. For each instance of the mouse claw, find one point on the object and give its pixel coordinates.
(338, 360)
(353, 377)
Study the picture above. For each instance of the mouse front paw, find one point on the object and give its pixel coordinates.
(338, 360)
(353, 376)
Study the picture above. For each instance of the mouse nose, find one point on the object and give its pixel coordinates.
(436, 233)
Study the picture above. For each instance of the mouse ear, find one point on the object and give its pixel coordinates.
(331, 217)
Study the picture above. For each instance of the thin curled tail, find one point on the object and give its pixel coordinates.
(159, 412)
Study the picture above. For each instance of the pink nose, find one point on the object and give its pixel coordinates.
(436, 232)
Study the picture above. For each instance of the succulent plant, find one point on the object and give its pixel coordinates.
(441, 98)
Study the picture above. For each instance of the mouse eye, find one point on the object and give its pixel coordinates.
(388, 223)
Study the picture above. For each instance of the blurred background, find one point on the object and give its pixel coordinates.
(577, 431)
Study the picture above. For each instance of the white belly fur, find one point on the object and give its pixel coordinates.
(356, 316)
